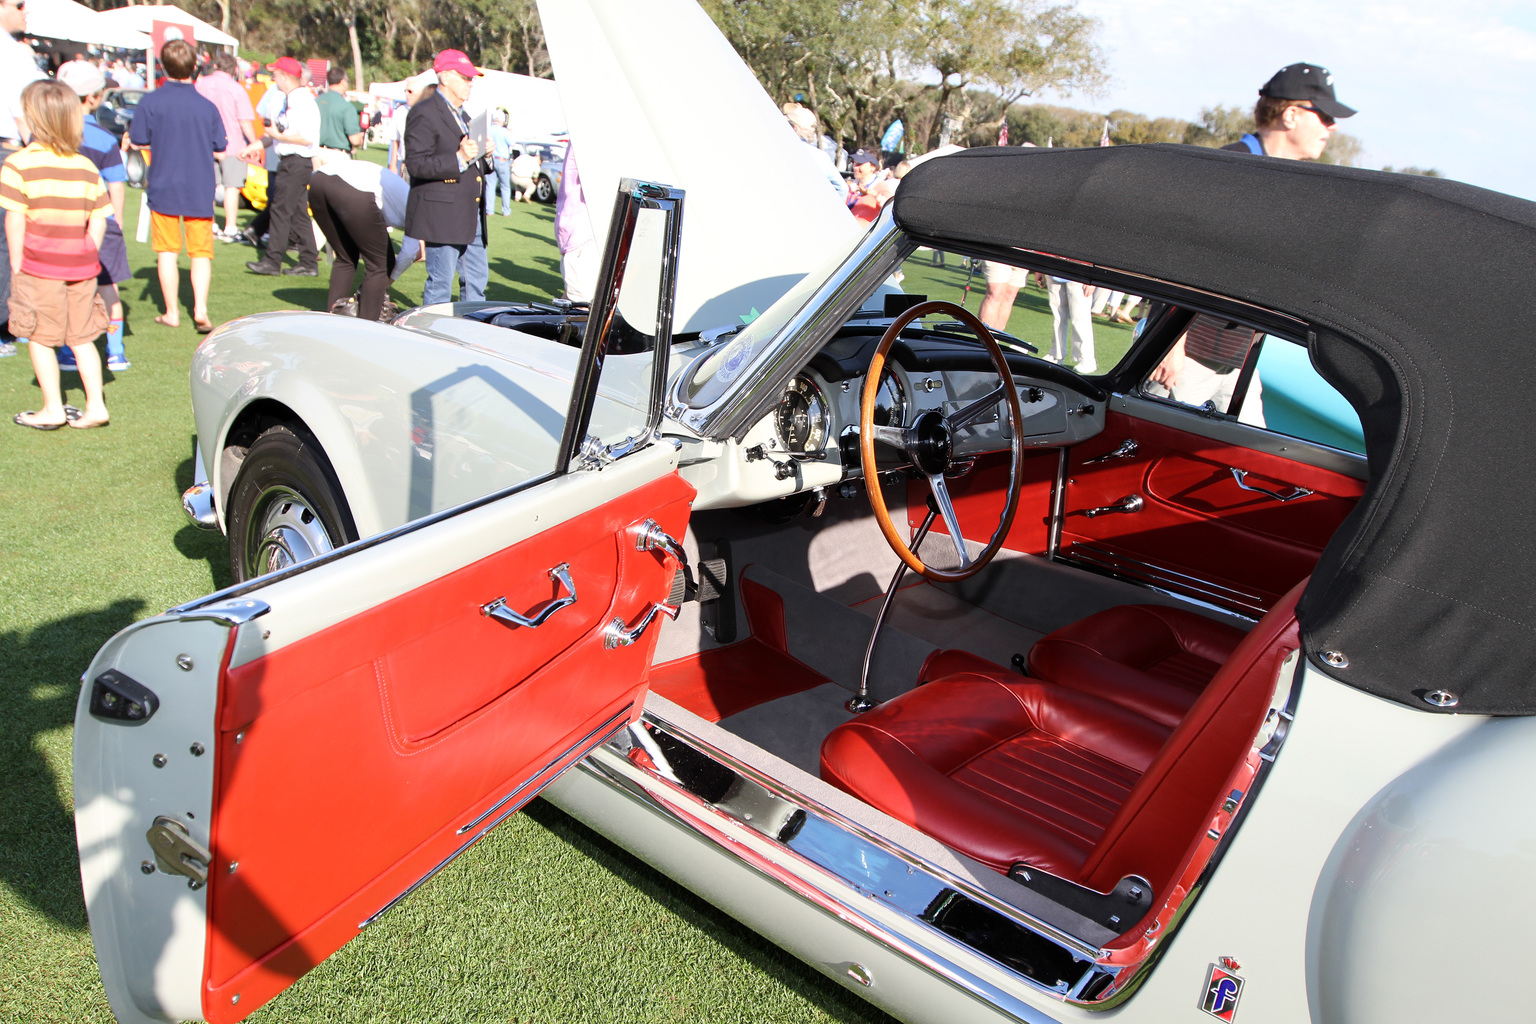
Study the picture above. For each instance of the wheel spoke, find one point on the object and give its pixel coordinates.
(896, 437)
(951, 521)
(962, 418)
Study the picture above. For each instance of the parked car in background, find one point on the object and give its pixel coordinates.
(551, 165)
(115, 115)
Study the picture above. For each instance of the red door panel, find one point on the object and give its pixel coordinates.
(1198, 531)
(338, 753)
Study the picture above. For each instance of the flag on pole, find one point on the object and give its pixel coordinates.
(1002, 135)
(1104, 139)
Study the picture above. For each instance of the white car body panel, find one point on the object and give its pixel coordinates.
(700, 121)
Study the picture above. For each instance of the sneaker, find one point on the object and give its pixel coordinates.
(118, 363)
(227, 236)
(7, 348)
(66, 359)
(302, 271)
(264, 268)
(247, 237)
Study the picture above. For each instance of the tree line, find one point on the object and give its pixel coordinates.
(960, 69)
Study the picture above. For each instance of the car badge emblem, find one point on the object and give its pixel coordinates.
(1223, 988)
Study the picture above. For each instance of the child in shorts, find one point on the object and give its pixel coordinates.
(55, 217)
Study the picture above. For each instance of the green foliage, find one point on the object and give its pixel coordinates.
(1219, 126)
(1343, 149)
(1427, 172)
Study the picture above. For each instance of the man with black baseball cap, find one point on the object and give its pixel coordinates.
(1296, 115)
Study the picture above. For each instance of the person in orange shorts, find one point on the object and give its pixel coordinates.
(56, 210)
(183, 131)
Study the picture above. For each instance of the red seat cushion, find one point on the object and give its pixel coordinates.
(1004, 770)
(1154, 660)
(1009, 770)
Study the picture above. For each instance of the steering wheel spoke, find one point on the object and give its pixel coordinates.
(962, 418)
(951, 520)
(929, 444)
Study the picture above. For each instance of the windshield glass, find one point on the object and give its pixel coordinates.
(713, 374)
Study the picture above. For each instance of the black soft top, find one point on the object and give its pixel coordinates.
(1420, 295)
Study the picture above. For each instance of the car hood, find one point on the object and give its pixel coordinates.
(655, 92)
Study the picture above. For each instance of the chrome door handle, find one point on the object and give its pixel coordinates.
(651, 537)
(1126, 450)
(499, 611)
(619, 635)
(1129, 503)
(1241, 478)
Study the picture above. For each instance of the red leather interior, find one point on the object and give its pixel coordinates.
(1196, 521)
(718, 683)
(1009, 770)
(1154, 660)
(348, 762)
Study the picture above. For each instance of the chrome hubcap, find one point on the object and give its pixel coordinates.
(288, 531)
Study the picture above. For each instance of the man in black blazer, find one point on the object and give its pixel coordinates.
(446, 208)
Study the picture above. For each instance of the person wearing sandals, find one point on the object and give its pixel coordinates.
(56, 209)
(183, 131)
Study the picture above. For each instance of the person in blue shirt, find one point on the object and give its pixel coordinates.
(100, 146)
(1296, 115)
(501, 159)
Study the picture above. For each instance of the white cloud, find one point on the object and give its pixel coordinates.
(1441, 85)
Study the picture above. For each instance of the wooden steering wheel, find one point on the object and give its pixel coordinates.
(928, 445)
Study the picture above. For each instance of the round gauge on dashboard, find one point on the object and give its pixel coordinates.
(802, 419)
(890, 401)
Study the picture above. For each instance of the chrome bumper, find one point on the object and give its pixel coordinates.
(197, 503)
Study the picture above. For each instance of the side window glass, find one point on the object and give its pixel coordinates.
(1264, 380)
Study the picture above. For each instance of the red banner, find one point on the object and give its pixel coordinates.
(163, 32)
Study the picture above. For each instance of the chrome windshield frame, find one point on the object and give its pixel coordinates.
(877, 256)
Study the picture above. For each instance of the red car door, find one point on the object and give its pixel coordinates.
(262, 774)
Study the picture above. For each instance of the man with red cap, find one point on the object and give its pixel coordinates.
(446, 209)
(294, 136)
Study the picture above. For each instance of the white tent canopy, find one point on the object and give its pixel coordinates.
(65, 19)
(141, 18)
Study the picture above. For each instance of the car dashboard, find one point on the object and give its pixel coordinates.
(809, 438)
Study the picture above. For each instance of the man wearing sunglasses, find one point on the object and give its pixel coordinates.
(1296, 115)
(18, 68)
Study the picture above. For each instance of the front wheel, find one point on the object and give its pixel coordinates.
(286, 506)
(544, 191)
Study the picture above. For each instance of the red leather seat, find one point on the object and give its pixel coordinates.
(1009, 770)
(1151, 659)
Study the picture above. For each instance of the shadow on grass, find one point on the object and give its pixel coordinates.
(38, 689)
(742, 941)
(312, 297)
(524, 280)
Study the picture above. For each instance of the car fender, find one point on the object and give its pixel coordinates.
(1429, 888)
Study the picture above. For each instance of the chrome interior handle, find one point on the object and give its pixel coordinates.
(651, 537)
(620, 635)
(1127, 449)
(1129, 503)
(1241, 478)
(499, 611)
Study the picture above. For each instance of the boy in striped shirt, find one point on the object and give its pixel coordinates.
(55, 217)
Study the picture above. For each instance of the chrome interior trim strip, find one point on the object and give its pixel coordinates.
(547, 774)
(605, 730)
(924, 951)
(876, 257)
(1087, 557)
(1093, 551)
(1058, 504)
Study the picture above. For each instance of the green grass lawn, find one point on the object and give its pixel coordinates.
(543, 921)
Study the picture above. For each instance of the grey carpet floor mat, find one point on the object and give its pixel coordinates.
(944, 620)
(793, 727)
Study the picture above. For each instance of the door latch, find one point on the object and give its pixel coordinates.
(1127, 504)
(619, 635)
(177, 853)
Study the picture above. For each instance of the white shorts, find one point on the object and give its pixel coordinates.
(1004, 273)
(580, 268)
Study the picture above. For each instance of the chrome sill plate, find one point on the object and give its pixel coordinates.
(891, 894)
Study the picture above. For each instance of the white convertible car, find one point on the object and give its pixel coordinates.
(993, 691)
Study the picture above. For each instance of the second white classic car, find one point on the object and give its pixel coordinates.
(992, 690)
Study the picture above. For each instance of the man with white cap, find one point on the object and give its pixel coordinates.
(446, 208)
(18, 67)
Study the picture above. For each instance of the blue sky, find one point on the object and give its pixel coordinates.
(1446, 85)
